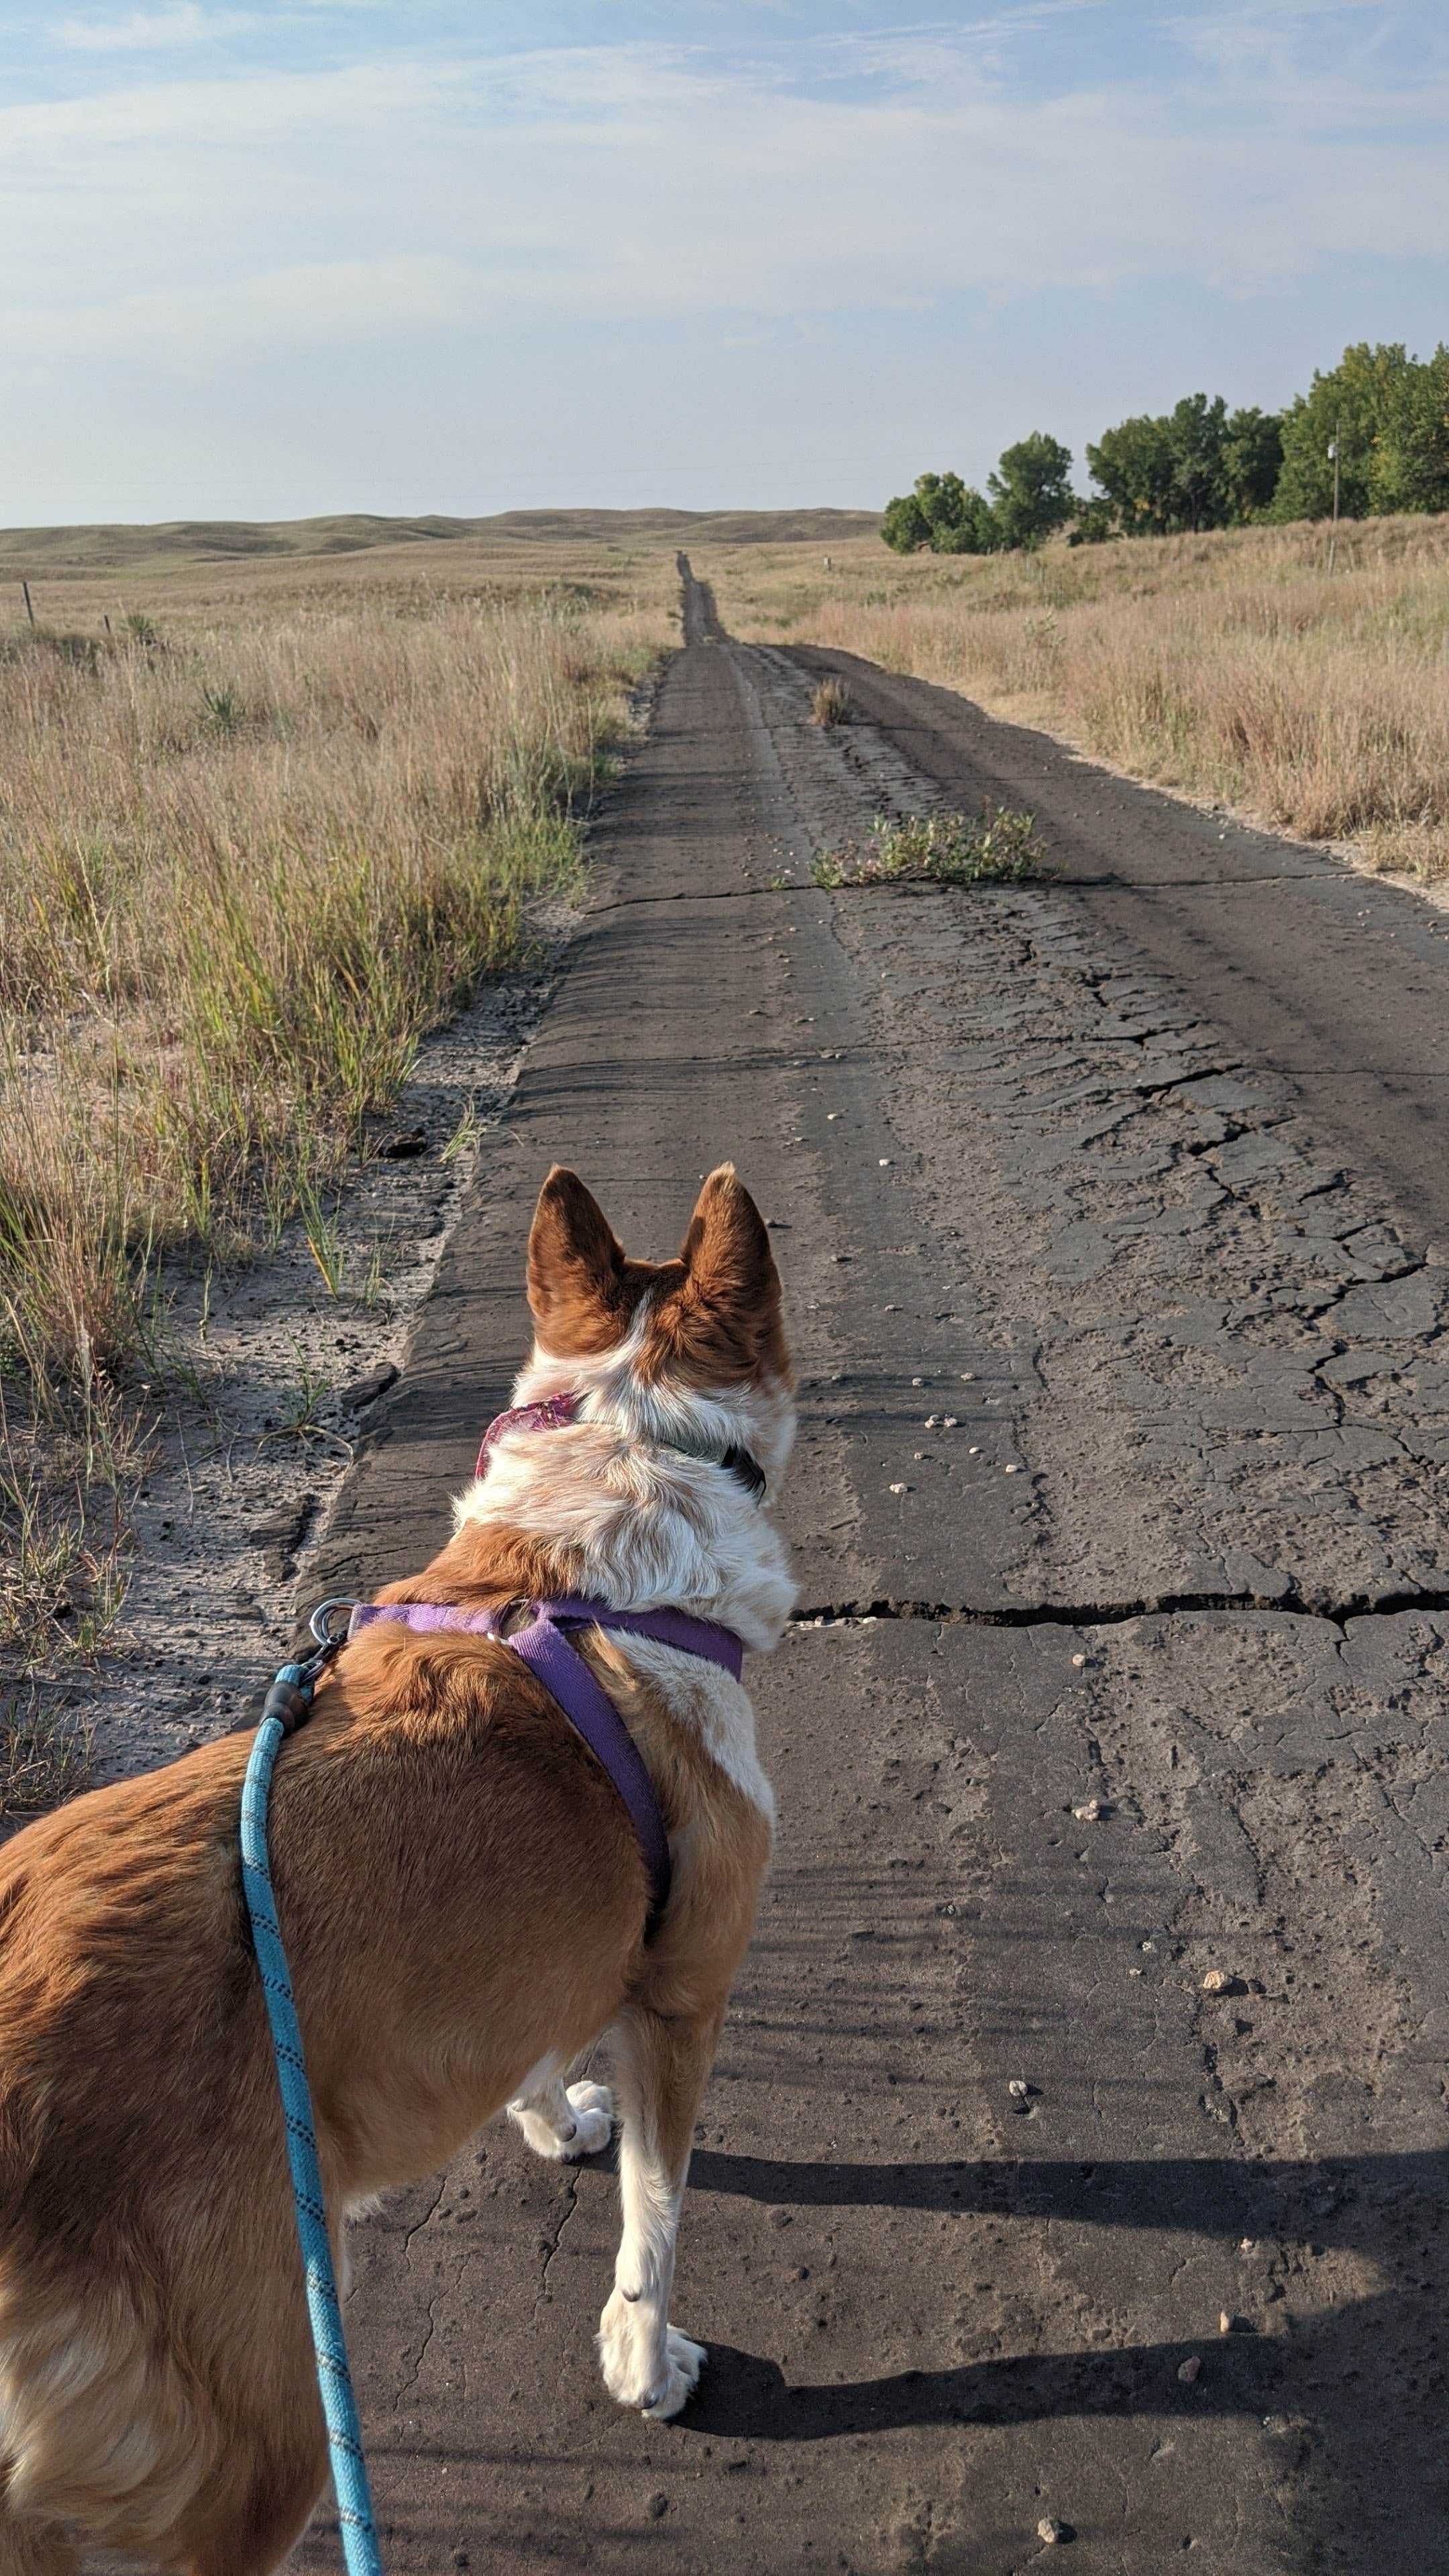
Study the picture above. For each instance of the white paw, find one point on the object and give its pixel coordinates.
(589, 2124)
(684, 2362)
(593, 2108)
(635, 2373)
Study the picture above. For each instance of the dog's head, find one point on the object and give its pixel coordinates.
(690, 1342)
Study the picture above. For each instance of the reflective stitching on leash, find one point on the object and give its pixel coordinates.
(288, 1702)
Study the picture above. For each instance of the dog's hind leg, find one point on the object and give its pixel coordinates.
(663, 2067)
(562, 2121)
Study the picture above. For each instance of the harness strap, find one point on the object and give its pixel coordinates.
(543, 1646)
(547, 1652)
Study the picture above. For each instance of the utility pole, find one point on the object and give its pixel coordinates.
(1334, 446)
(29, 611)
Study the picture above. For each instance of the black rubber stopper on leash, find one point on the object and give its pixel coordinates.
(287, 1704)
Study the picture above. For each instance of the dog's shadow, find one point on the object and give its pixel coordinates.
(1376, 2204)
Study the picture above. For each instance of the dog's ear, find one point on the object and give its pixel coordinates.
(729, 1305)
(577, 1284)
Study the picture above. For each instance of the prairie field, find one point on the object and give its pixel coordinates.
(1233, 667)
(256, 836)
(263, 823)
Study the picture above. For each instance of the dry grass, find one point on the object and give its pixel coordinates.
(1231, 666)
(45, 1755)
(245, 861)
(63, 1566)
(261, 826)
(830, 705)
(64, 1555)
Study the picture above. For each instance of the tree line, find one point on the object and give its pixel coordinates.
(1202, 466)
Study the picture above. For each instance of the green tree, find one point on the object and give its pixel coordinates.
(1134, 467)
(1096, 521)
(1031, 489)
(943, 513)
(1195, 429)
(1351, 403)
(1411, 457)
(1194, 467)
(976, 532)
(905, 526)
(1252, 462)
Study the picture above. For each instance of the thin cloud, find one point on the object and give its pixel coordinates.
(657, 182)
(153, 30)
(310, 305)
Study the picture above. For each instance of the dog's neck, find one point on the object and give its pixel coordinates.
(632, 1497)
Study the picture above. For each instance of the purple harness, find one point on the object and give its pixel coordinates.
(545, 1649)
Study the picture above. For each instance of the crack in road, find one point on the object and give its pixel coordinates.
(1115, 1614)
(415, 2374)
(550, 2250)
(692, 894)
(429, 2214)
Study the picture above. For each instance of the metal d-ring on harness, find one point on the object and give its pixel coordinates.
(287, 1704)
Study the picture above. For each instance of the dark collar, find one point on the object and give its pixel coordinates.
(555, 1412)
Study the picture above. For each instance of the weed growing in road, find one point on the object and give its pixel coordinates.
(831, 704)
(299, 1408)
(999, 848)
(464, 1136)
(323, 1232)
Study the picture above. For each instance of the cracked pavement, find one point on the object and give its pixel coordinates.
(1107, 1743)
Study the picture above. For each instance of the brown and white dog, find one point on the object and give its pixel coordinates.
(463, 1899)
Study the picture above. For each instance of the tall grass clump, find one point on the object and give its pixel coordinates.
(1233, 666)
(241, 873)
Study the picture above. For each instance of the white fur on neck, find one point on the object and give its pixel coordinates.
(651, 1527)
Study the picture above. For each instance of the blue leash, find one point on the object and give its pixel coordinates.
(287, 1704)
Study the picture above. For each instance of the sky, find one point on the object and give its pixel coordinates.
(267, 262)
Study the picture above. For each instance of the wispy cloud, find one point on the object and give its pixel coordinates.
(153, 30)
(645, 180)
(340, 177)
(321, 304)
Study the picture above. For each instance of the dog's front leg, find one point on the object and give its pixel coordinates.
(661, 2071)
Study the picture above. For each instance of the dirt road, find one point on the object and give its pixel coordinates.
(1107, 1748)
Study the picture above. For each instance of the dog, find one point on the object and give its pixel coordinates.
(465, 1905)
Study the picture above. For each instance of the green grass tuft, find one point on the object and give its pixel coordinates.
(998, 848)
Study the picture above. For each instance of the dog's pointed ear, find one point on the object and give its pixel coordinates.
(730, 1300)
(576, 1270)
